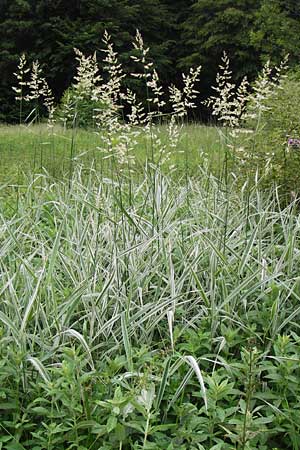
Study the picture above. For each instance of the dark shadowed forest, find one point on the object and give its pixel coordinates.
(180, 33)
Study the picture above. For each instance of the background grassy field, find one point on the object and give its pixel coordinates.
(29, 149)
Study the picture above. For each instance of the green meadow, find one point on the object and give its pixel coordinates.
(30, 149)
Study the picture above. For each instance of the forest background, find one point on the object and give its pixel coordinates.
(180, 33)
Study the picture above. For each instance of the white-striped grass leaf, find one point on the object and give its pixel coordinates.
(163, 383)
(10, 325)
(53, 256)
(31, 301)
(193, 363)
(247, 252)
(170, 316)
(126, 341)
(180, 388)
(39, 367)
(75, 334)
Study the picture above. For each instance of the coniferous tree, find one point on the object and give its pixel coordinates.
(276, 30)
(214, 27)
(17, 34)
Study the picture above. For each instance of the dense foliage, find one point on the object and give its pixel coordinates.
(167, 319)
(278, 138)
(45, 30)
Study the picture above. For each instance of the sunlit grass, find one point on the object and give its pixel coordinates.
(32, 149)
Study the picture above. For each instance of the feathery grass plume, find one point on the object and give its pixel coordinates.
(66, 111)
(228, 103)
(36, 89)
(181, 101)
(48, 103)
(189, 91)
(233, 105)
(36, 82)
(109, 91)
(251, 104)
(156, 88)
(149, 74)
(177, 115)
(21, 84)
(141, 58)
(173, 132)
(37, 86)
(113, 68)
(265, 86)
(259, 105)
(80, 100)
(137, 116)
(240, 107)
(146, 74)
(227, 106)
(87, 76)
(154, 94)
(116, 134)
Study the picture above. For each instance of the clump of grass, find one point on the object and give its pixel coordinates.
(102, 294)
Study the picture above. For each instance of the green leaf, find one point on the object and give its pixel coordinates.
(126, 341)
(120, 432)
(14, 446)
(100, 430)
(164, 427)
(163, 383)
(111, 423)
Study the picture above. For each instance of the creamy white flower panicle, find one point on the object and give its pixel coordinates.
(49, 103)
(224, 104)
(234, 105)
(20, 75)
(118, 127)
(181, 101)
(265, 86)
(36, 82)
(118, 135)
(142, 51)
(87, 76)
(36, 87)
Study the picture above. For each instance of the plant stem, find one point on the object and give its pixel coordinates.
(146, 431)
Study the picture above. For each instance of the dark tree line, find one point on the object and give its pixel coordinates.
(180, 33)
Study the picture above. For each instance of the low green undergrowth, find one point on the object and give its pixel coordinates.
(148, 315)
